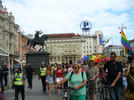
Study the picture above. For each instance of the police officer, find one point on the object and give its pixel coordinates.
(42, 75)
(19, 81)
(29, 75)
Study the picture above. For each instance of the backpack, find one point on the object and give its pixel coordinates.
(72, 74)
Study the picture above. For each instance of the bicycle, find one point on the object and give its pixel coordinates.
(103, 91)
(66, 93)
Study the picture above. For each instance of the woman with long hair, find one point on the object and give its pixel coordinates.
(65, 72)
(58, 76)
(49, 78)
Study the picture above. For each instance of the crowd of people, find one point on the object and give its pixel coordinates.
(118, 76)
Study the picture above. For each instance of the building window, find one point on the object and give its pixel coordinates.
(51, 59)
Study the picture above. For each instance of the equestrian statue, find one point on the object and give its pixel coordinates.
(38, 40)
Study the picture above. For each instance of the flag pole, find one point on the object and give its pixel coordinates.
(125, 50)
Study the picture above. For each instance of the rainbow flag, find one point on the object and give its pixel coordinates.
(126, 44)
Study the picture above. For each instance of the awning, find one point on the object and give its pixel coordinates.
(3, 52)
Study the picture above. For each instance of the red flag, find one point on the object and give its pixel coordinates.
(1, 6)
(0, 11)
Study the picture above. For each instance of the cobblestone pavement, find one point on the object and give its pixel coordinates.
(36, 93)
(33, 94)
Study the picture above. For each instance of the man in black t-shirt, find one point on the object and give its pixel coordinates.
(29, 75)
(114, 80)
(5, 74)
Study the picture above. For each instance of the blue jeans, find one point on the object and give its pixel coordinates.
(114, 93)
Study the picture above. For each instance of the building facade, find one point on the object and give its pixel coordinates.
(64, 48)
(70, 48)
(119, 50)
(22, 47)
(91, 44)
(132, 44)
(8, 34)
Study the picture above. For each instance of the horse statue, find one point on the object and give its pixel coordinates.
(38, 40)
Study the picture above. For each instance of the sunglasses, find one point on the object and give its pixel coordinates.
(75, 67)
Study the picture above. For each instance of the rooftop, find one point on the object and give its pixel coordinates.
(62, 35)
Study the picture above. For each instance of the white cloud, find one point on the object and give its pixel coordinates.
(63, 16)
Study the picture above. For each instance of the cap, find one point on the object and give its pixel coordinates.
(18, 66)
(42, 62)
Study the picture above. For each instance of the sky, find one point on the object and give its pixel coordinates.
(65, 16)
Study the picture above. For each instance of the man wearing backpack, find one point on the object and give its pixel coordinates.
(78, 82)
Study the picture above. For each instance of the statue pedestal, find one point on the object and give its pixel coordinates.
(35, 59)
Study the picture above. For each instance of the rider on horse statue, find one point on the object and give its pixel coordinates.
(38, 40)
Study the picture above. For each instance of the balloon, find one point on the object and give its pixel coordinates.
(93, 57)
(107, 59)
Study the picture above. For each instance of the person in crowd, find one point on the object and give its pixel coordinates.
(1, 79)
(81, 68)
(92, 72)
(125, 73)
(114, 79)
(42, 75)
(100, 66)
(58, 76)
(5, 71)
(1, 94)
(49, 78)
(130, 81)
(70, 68)
(19, 82)
(29, 74)
(78, 82)
(54, 71)
(65, 72)
(85, 65)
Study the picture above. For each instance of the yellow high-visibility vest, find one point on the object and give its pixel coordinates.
(42, 71)
(18, 79)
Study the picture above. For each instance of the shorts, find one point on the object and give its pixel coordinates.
(58, 79)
